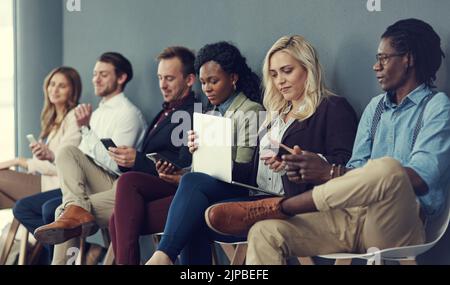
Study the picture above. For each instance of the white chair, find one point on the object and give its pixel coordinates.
(24, 257)
(235, 251)
(405, 255)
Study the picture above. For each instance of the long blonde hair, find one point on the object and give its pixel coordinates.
(49, 118)
(315, 89)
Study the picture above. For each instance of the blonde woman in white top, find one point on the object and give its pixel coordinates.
(62, 91)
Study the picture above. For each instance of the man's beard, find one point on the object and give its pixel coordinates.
(108, 90)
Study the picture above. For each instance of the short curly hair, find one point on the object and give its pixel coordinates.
(417, 38)
(230, 59)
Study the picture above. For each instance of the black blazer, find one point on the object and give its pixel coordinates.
(330, 131)
(159, 140)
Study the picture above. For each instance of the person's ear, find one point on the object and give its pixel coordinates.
(190, 79)
(121, 79)
(234, 78)
(410, 60)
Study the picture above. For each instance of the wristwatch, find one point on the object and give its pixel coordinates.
(84, 130)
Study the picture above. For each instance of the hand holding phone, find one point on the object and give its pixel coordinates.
(155, 157)
(107, 143)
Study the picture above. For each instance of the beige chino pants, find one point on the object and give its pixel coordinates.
(373, 206)
(85, 184)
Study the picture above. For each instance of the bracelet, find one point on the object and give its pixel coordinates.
(332, 170)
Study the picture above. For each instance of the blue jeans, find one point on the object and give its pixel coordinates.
(38, 210)
(186, 231)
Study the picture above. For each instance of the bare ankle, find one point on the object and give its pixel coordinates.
(159, 258)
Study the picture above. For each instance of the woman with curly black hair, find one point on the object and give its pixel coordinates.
(234, 90)
(229, 59)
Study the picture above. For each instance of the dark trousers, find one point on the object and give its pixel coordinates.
(38, 210)
(142, 203)
(186, 232)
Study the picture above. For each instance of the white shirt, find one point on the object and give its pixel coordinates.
(267, 179)
(119, 120)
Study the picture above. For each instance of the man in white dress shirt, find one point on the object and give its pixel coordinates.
(88, 171)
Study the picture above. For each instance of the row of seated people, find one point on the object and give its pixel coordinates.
(355, 186)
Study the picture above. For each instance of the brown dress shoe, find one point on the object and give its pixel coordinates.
(236, 218)
(74, 222)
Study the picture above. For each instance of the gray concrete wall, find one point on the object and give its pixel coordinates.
(38, 32)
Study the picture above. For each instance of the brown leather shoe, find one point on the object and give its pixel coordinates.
(236, 218)
(74, 222)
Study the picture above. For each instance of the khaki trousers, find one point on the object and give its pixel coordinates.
(373, 206)
(16, 185)
(85, 184)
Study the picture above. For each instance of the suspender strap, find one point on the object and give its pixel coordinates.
(419, 123)
(379, 111)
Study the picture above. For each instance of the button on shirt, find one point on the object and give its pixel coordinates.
(118, 119)
(267, 179)
(430, 157)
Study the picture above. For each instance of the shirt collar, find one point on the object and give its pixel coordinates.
(414, 96)
(225, 105)
(112, 102)
(167, 106)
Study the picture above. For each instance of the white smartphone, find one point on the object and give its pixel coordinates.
(31, 138)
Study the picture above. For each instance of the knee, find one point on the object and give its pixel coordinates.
(386, 165)
(21, 208)
(65, 153)
(269, 233)
(193, 179)
(125, 184)
(190, 178)
(125, 181)
(385, 168)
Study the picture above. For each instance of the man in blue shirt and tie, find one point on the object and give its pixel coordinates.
(397, 179)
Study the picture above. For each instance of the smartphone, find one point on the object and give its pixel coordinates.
(31, 138)
(155, 157)
(107, 143)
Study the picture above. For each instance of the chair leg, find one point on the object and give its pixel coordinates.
(229, 250)
(346, 261)
(306, 261)
(408, 262)
(9, 241)
(23, 249)
(105, 236)
(37, 250)
(80, 256)
(109, 257)
(215, 259)
(239, 254)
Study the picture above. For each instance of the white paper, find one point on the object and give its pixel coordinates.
(215, 138)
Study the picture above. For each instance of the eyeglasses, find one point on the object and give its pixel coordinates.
(383, 58)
